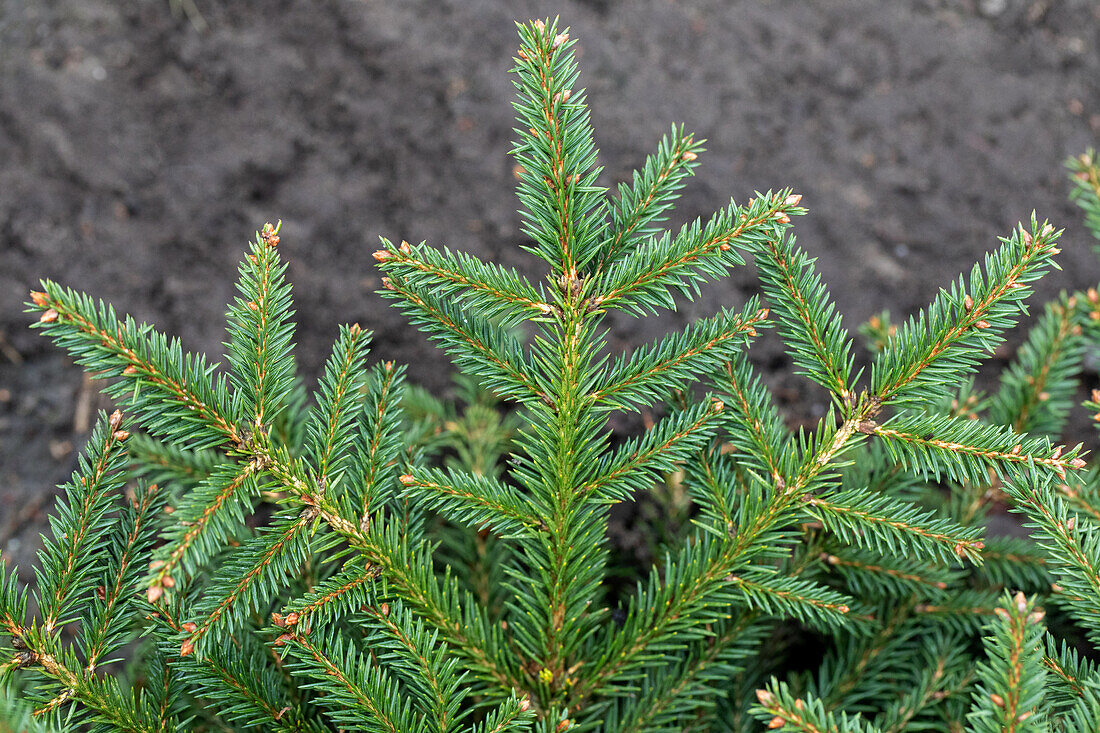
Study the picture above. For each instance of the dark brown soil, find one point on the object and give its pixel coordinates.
(138, 154)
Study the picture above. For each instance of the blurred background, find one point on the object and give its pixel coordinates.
(142, 144)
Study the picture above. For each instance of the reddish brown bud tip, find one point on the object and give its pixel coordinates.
(383, 255)
(997, 700)
(968, 303)
(154, 593)
(120, 435)
(277, 620)
(689, 156)
(187, 649)
(782, 217)
(1077, 463)
(765, 697)
(407, 479)
(558, 41)
(115, 419)
(168, 581)
(776, 722)
(523, 55)
(524, 704)
(49, 316)
(843, 609)
(291, 618)
(793, 200)
(130, 370)
(981, 324)
(718, 405)
(388, 284)
(283, 638)
(39, 298)
(189, 626)
(405, 247)
(384, 609)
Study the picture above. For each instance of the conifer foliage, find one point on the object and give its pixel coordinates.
(375, 559)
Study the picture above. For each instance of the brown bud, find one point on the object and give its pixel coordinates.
(156, 564)
(1020, 600)
(867, 427)
(115, 419)
(168, 581)
(407, 479)
(776, 722)
(1077, 463)
(291, 618)
(689, 156)
(39, 298)
(154, 593)
(1025, 236)
(765, 697)
(1057, 452)
(997, 700)
(523, 55)
(355, 329)
(388, 284)
(968, 303)
(566, 95)
(539, 26)
(405, 247)
(799, 705)
(384, 609)
(283, 638)
(843, 609)
(718, 405)
(101, 592)
(782, 217)
(981, 324)
(49, 316)
(187, 648)
(383, 255)
(120, 435)
(1048, 229)
(189, 627)
(277, 620)
(252, 305)
(558, 41)
(131, 369)
(793, 199)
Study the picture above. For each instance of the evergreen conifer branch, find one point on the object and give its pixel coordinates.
(563, 208)
(1085, 176)
(78, 541)
(808, 321)
(250, 579)
(782, 710)
(260, 332)
(755, 427)
(1011, 684)
(171, 394)
(329, 428)
(891, 527)
(477, 501)
(652, 372)
(164, 463)
(493, 356)
(787, 597)
(115, 605)
(964, 450)
(201, 527)
(930, 353)
(1037, 390)
(351, 690)
(648, 278)
(632, 466)
(498, 294)
(651, 193)
(867, 575)
(379, 439)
